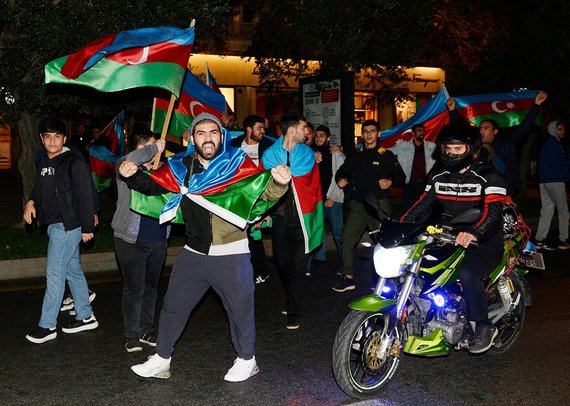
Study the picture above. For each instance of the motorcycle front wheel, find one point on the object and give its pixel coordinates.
(510, 325)
(365, 354)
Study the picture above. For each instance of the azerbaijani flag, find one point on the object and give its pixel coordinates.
(211, 82)
(230, 188)
(195, 98)
(507, 109)
(101, 159)
(433, 115)
(153, 57)
(306, 187)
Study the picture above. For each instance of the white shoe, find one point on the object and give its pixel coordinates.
(242, 370)
(155, 367)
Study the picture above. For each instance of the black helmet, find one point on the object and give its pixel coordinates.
(461, 132)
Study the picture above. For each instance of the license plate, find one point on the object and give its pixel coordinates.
(532, 260)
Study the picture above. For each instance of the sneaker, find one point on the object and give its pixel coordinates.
(133, 345)
(66, 304)
(485, 333)
(308, 273)
(41, 335)
(148, 338)
(261, 279)
(69, 305)
(284, 311)
(242, 370)
(563, 245)
(76, 326)
(344, 284)
(292, 325)
(155, 367)
(540, 245)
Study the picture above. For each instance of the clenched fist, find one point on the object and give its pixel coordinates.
(128, 169)
(281, 174)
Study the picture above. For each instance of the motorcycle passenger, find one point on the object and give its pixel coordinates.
(459, 182)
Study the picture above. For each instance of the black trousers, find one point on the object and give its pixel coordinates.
(258, 257)
(290, 260)
(481, 261)
(141, 266)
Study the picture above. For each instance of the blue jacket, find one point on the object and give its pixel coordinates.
(553, 165)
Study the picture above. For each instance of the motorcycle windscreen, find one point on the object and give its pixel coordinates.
(393, 234)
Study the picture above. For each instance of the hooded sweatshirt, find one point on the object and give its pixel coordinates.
(553, 163)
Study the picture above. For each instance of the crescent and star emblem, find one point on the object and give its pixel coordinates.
(142, 59)
(495, 108)
(194, 104)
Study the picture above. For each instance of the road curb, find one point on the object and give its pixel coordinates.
(28, 268)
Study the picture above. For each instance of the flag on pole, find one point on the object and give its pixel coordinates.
(102, 160)
(306, 185)
(230, 188)
(195, 98)
(507, 109)
(211, 82)
(146, 57)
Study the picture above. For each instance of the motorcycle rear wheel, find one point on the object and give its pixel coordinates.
(511, 324)
(357, 367)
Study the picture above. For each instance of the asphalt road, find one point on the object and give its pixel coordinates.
(93, 368)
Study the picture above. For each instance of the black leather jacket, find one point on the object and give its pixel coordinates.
(453, 193)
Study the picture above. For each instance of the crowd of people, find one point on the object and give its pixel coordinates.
(465, 167)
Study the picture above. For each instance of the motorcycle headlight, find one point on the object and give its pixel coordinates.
(389, 262)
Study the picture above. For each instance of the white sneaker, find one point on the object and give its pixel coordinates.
(155, 367)
(242, 370)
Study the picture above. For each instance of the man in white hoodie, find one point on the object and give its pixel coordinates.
(415, 158)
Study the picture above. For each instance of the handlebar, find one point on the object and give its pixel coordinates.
(446, 235)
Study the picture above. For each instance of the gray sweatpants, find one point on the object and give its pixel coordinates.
(553, 195)
(231, 276)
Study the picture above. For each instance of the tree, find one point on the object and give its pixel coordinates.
(384, 36)
(532, 52)
(34, 32)
(378, 38)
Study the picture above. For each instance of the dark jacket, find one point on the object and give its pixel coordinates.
(453, 193)
(364, 168)
(73, 191)
(553, 165)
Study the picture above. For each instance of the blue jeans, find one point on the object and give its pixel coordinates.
(63, 263)
(334, 216)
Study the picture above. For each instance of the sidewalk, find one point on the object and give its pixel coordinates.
(28, 268)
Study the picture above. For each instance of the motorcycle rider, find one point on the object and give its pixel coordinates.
(457, 183)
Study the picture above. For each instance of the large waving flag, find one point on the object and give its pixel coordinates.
(102, 160)
(507, 109)
(195, 98)
(433, 115)
(230, 187)
(146, 57)
(211, 82)
(306, 186)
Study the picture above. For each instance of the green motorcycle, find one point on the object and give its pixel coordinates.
(417, 306)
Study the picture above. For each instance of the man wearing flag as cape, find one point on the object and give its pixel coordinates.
(298, 220)
(219, 190)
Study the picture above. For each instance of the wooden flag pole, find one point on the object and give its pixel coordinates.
(165, 127)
